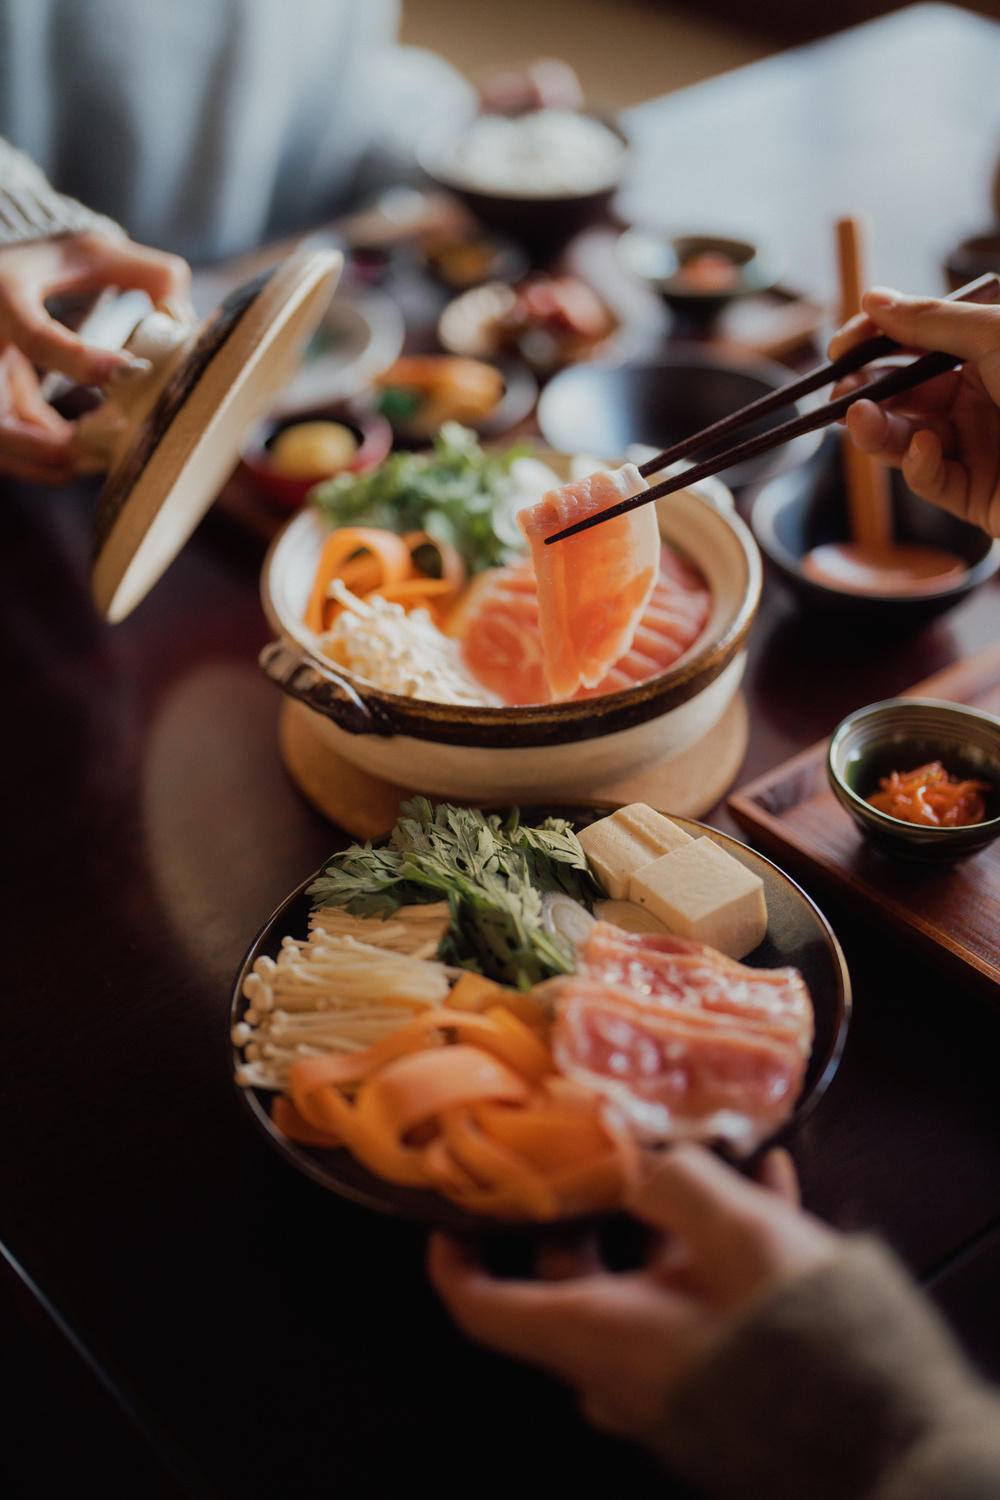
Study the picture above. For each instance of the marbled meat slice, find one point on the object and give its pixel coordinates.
(675, 1072)
(661, 968)
(592, 588)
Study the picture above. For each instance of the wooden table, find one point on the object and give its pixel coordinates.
(241, 1332)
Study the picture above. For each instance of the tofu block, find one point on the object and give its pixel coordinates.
(702, 893)
(617, 846)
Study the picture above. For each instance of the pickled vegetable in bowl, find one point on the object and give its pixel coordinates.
(312, 450)
(931, 796)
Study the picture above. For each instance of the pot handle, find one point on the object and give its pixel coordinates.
(322, 689)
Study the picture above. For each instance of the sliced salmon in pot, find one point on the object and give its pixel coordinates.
(592, 588)
(502, 643)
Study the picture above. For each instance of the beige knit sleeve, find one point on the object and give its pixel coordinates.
(842, 1385)
(31, 209)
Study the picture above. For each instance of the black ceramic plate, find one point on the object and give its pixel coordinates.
(797, 934)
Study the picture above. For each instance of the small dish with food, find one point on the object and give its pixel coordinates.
(420, 392)
(463, 1027)
(548, 321)
(920, 778)
(286, 456)
(697, 275)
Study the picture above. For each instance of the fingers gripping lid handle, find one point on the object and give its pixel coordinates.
(183, 452)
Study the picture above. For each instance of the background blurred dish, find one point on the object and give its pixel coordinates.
(417, 411)
(901, 734)
(469, 260)
(604, 409)
(549, 321)
(697, 275)
(360, 335)
(371, 430)
(797, 934)
(805, 508)
(542, 221)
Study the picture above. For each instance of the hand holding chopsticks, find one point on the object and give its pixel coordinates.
(984, 289)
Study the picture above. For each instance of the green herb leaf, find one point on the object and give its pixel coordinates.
(458, 495)
(493, 875)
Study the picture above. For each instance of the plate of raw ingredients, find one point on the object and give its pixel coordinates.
(483, 1020)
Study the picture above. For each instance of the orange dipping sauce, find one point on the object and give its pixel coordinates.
(929, 795)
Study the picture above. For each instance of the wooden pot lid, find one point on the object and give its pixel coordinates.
(183, 452)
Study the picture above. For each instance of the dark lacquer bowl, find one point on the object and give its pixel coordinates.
(595, 408)
(797, 934)
(371, 430)
(901, 734)
(541, 224)
(807, 507)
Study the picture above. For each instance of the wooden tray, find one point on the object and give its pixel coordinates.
(950, 914)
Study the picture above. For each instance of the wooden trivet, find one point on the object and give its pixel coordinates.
(367, 807)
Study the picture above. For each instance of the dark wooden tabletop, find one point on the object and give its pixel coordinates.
(254, 1334)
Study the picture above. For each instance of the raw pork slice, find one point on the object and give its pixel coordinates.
(672, 1072)
(593, 588)
(686, 1041)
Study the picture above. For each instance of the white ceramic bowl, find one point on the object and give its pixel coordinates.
(540, 751)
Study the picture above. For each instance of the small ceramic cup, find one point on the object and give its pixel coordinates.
(901, 734)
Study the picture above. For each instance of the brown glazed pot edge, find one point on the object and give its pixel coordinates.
(362, 709)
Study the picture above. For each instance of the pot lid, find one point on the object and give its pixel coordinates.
(182, 452)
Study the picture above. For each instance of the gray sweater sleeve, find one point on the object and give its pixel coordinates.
(843, 1385)
(31, 209)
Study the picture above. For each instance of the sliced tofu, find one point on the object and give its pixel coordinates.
(701, 892)
(634, 836)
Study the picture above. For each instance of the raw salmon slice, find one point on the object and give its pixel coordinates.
(672, 620)
(593, 588)
(502, 642)
(675, 1073)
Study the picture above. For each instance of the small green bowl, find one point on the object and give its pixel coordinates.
(898, 735)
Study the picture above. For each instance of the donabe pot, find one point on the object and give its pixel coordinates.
(538, 751)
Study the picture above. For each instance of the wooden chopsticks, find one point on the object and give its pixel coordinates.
(983, 289)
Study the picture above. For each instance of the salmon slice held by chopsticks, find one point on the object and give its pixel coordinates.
(592, 588)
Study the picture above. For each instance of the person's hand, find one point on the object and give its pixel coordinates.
(35, 442)
(944, 435)
(626, 1341)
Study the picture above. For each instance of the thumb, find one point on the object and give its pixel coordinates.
(967, 329)
(691, 1193)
